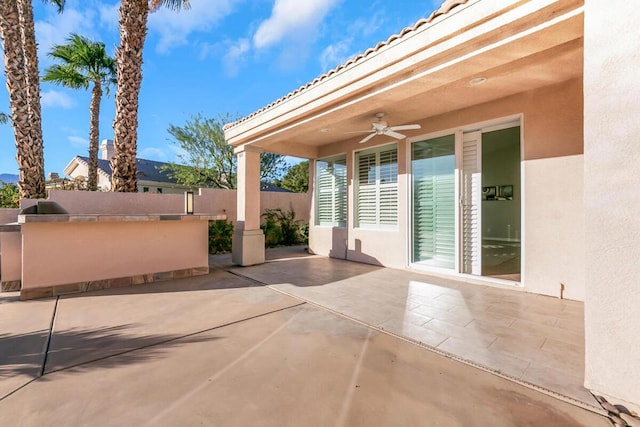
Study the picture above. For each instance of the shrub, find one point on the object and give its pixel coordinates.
(220, 233)
(304, 233)
(282, 228)
(9, 195)
(271, 228)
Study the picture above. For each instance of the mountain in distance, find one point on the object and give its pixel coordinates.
(9, 177)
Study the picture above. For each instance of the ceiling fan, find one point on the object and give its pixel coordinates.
(381, 128)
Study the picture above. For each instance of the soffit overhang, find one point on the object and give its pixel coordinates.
(517, 45)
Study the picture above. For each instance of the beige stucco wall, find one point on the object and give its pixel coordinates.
(554, 226)
(56, 253)
(10, 256)
(552, 129)
(209, 200)
(8, 215)
(612, 198)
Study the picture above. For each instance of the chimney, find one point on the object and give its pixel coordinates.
(106, 149)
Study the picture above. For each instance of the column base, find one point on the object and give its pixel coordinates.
(247, 247)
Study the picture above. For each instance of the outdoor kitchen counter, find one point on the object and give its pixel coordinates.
(71, 253)
(24, 219)
(10, 261)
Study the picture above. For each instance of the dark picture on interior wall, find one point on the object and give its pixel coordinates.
(489, 193)
(505, 192)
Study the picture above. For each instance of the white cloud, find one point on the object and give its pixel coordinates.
(292, 19)
(108, 15)
(234, 56)
(78, 141)
(340, 51)
(335, 54)
(153, 153)
(54, 98)
(175, 27)
(58, 26)
(178, 152)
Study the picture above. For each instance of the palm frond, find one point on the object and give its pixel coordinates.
(65, 75)
(169, 4)
(58, 3)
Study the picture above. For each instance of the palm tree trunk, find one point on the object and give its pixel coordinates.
(94, 130)
(133, 30)
(17, 88)
(34, 159)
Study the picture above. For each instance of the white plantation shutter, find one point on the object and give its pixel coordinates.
(388, 190)
(331, 192)
(433, 179)
(377, 195)
(471, 202)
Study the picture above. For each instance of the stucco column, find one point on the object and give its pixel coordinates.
(248, 238)
(612, 199)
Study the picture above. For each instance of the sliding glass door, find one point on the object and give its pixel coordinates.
(433, 210)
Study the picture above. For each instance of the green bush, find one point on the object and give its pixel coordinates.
(220, 233)
(304, 233)
(271, 228)
(282, 228)
(9, 195)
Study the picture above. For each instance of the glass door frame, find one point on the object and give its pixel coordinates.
(458, 132)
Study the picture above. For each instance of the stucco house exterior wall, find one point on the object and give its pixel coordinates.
(612, 189)
(555, 70)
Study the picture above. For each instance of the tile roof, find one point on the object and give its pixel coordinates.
(148, 170)
(444, 8)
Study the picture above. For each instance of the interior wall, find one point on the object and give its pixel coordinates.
(501, 166)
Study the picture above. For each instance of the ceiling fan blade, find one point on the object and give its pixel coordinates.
(393, 134)
(405, 127)
(366, 138)
(360, 131)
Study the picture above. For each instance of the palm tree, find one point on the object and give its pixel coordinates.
(22, 79)
(84, 62)
(133, 31)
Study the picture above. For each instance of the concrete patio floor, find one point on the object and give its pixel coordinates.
(222, 349)
(532, 338)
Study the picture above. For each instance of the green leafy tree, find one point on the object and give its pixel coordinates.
(207, 160)
(9, 195)
(297, 178)
(84, 63)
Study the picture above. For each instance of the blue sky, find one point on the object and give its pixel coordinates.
(220, 56)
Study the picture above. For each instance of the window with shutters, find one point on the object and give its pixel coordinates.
(377, 187)
(331, 192)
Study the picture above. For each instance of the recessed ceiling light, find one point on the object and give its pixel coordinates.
(478, 81)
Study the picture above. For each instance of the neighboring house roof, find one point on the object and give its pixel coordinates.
(444, 8)
(265, 186)
(148, 170)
